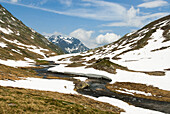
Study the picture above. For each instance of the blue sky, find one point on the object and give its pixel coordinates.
(94, 22)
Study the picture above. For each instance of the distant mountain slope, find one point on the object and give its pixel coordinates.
(140, 57)
(17, 41)
(68, 44)
(147, 49)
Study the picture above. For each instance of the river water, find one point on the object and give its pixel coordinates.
(96, 88)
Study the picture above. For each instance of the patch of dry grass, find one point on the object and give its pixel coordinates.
(157, 94)
(15, 100)
(42, 62)
(12, 73)
(155, 73)
(76, 58)
(91, 61)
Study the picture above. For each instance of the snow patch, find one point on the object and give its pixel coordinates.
(32, 37)
(32, 30)
(56, 85)
(81, 78)
(13, 19)
(2, 21)
(3, 45)
(31, 48)
(161, 82)
(29, 60)
(132, 92)
(18, 34)
(17, 51)
(6, 31)
(14, 63)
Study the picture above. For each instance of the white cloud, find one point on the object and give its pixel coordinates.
(104, 31)
(105, 11)
(66, 2)
(99, 10)
(50, 34)
(84, 36)
(107, 38)
(14, 1)
(153, 4)
(35, 7)
(132, 18)
(43, 2)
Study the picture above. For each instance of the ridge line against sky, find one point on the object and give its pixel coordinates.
(110, 17)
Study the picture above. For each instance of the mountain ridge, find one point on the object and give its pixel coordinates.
(21, 41)
(140, 57)
(68, 44)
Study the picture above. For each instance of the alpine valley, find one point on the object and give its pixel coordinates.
(137, 65)
(130, 75)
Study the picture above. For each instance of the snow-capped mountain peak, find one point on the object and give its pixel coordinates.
(68, 44)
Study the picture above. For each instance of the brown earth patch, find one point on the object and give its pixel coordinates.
(157, 94)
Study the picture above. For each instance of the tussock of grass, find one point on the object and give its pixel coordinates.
(155, 73)
(76, 58)
(14, 100)
(92, 60)
(162, 48)
(168, 69)
(42, 62)
(106, 65)
(11, 73)
(110, 67)
(157, 94)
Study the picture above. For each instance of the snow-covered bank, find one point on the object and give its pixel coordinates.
(56, 58)
(122, 76)
(138, 57)
(56, 85)
(63, 86)
(19, 63)
(82, 71)
(81, 78)
(129, 109)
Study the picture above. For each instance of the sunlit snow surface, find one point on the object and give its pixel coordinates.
(2, 45)
(6, 30)
(143, 59)
(19, 63)
(122, 76)
(31, 48)
(81, 78)
(63, 86)
(56, 85)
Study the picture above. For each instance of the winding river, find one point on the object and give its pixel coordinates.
(96, 88)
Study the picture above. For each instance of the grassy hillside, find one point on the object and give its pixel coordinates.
(21, 41)
(15, 100)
